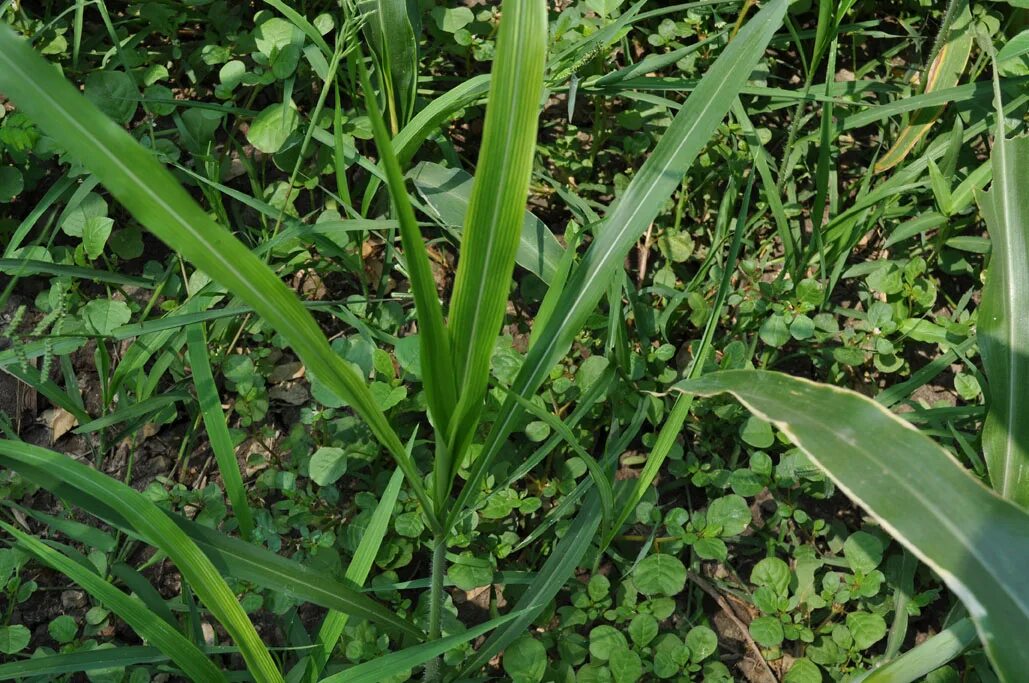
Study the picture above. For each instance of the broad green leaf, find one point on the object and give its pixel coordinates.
(944, 73)
(13, 638)
(1003, 329)
(104, 315)
(152, 195)
(391, 35)
(151, 523)
(327, 465)
(273, 126)
(972, 538)
(496, 210)
(148, 625)
(404, 661)
(660, 575)
(448, 190)
(630, 217)
(1016, 47)
(217, 429)
(231, 556)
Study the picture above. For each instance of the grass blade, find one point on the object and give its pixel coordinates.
(217, 429)
(148, 625)
(563, 560)
(497, 207)
(1004, 316)
(357, 573)
(629, 218)
(151, 523)
(972, 538)
(404, 660)
(152, 195)
(944, 73)
(87, 660)
(448, 191)
(926, 657)
(230, 556)
(673, 425)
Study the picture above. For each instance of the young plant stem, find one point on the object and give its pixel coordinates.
(433, 669)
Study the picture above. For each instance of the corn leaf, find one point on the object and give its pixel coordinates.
(974, 539)
(447, 192)
(493, 225)
(434, 342)
(151, 523)
(1003, 329)
(629, 218)
(153, 197)
(943, 73)
(148, 625)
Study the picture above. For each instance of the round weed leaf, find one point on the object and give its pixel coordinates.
(660, 575)
(625, 665)
(11, 183)
(867, 629)
(105, 315)
(702, 642)
(525, 660)
(863, 551)
(63, 629)
(273, 126)
(114, 93)
(643, 629)
(773, 573)
(803, 671)
(327, 465)
(730, 514)
(767, 631)
(606, 639)
(757, 432)
(13, 639)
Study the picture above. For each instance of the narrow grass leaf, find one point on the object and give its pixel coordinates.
(152, 195)
(403, 661)
(217, 429)
(563, 560)
(46, 667)
(357, 573)
(493, 225)
(391, 35)
(148, 625)
(151, 523)
(629, 218)
(230, 556)
(971, 537)
(925, 657)
(943, 73)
